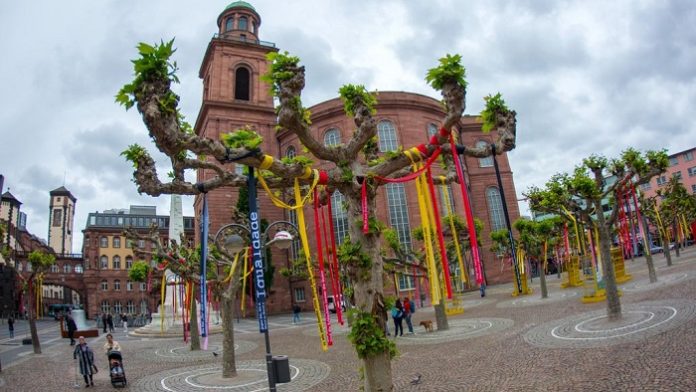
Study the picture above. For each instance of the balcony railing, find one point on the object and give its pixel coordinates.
(230, 37)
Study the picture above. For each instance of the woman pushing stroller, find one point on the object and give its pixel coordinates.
(113, 352)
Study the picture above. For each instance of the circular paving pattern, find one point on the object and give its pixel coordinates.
(251, 377)
(593, 329)
(662, 280)
(535, 299)
(336, 329)
(459, 329)
(472, 303)
(177, 351)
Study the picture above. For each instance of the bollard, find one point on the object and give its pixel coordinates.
(282, 368)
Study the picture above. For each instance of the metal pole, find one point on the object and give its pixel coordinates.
(513, 250)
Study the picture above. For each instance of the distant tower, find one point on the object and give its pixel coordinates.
(60, 223)
(234, 96)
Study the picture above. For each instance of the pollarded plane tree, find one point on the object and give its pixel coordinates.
(31, 286)
(151, 93)
(535, 238)
(584, 191)
(223, 279)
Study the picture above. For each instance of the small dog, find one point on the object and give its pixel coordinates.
(428, 325)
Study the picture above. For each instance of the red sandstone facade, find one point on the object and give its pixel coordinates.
(234, 96)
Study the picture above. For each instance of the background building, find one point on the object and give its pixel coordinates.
(60, 226)
(234, 96)
(681, 165)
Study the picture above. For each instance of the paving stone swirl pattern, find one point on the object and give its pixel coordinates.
(535, 299)
(179, 351)
(593, 329)
(662, 280)
(459, 329)
(251, 377)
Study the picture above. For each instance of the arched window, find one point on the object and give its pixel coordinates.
(340, 217)
(229, 24)
(103, 242)
(398, 213)
(387, 136)
(105, 308)
(104, 261)
(129, 262)
(432, 129)
(487, 161)
(143, 307)
(495, 208)
(332, 137)
(241, 84)
(104, 285)
(116, 264)
(116, 241)
(291, 152)
(117, 285)
(67, 268)
(243, 24)
(295, 247)
(79, 269)
(253, 27)
(142, 286)
(118, 308)
(130, 307)
(449, 198)
(54, 268)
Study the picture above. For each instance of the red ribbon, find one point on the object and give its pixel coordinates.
(322, 275)
(415, 174)
(440, 238)
(423, 149)
(363, 202)
(333, 263)
(323, 177)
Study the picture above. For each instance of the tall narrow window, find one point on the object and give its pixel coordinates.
(332, 137)
(495, 208)
(118, 308)
(243, 24)
(241, 84)
(117, 285)
(291, 152)
(104, 285)
(105, 308)
(116, 241)
(229, 24)
(116, 262)
(387, 136)
(340, 217)
(103, 242)
(450, 199)
(129, 262)
(104, 262)
(130, 307)
(57, 217)
(398, 213)
(487, 161)
(295, 247)
(432, 129)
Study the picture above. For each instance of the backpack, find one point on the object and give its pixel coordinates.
(396, 313)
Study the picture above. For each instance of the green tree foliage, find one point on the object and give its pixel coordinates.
(449, 70)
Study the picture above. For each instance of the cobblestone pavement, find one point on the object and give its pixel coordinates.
(559, 344)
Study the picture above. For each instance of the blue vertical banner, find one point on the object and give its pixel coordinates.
(257, 253)
(204, 269)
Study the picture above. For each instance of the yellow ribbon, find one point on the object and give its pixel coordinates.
(244, 275)
(266, 162)
(577, 232)
(299, 202)
(445, 193)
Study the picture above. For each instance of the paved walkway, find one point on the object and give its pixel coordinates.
(500, 343)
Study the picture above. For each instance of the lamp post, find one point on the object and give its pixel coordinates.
(231, 237)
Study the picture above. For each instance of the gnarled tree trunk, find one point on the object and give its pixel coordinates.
(229, 366)
(612, 291)
(648, 254)
(32, 324)
(542, 279)
(195, 339)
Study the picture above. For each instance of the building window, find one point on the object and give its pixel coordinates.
(141, 244)
(692, 171)
(117, 285)
(242, 24)
(229, 24)
(645, 186)
(29, 267)
(129, 285)
(103, 242)
(688, 156)
(291, 152)
(693, 188)
(332, 137)
(118, 309)
(673, 161)
(387, 136)
(116, 262)
(296, 246)
(105, 308)
(20, 267)
(143, 307)
(487, 161)
(104, 261)
(130, 307)
(241, 84)
(432, 130)
(57, 217)
(677, 175)
(661, 180)
(340, 217)
(239, 169)
(67, 268)
(104, 285)
(299, 294)
(398, 213)
(406, 282)
(116, 241)
(79, 269)
(495, 208)
(450, 199)
(129, 262)
(142, 286)
(54, 268)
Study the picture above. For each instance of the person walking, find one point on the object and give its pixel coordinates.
(398, 316)
(408, 311)
(72, 327)
(296, 313)
(84, 354)
(111, 344)
(110, 321)
(10, 325)
(104, 322)
(124, 318)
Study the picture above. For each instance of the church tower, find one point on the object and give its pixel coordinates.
(234, 96)
(60, 222)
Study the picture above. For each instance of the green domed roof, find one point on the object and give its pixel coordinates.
(242, 4)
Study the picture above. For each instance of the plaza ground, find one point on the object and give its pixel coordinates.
(499, 343)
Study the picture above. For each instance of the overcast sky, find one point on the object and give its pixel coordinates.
(584, 77)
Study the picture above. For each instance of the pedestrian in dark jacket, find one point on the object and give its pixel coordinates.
(85, 355)
(398, 316)
(10, 325)
(110, 321)
(72, 327)
(105, 322)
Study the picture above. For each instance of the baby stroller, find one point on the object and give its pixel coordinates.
(116, 372)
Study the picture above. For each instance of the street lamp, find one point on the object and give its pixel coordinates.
(230, 237)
